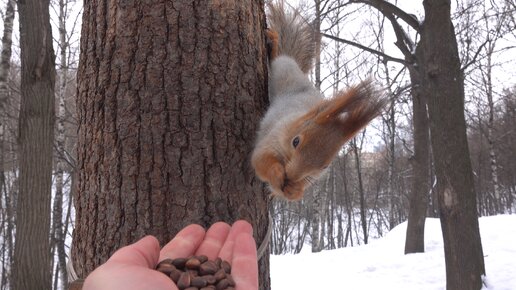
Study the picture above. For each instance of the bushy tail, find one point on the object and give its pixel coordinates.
(296, 37)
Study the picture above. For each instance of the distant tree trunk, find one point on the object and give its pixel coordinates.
(391, 163)
(169, 98)
(317, 214)
(331, 205)
(493, 162)
(363, 220)
(418, 198)
(347, 202)
(58, 230)
(316, 218)
(317, 28)
(32, 260)
(5, 58)
(5, 65)
(390, 122)
(444, 84)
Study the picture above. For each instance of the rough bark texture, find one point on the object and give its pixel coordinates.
(32, 259)
(444, 84)
(169, 98)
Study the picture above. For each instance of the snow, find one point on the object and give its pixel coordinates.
(382, 264)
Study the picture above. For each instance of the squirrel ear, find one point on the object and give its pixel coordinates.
(354, 108)
(334, 109)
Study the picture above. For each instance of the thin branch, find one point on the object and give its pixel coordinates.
(474, 59)
(370, 50)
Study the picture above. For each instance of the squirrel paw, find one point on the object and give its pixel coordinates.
(272, 43)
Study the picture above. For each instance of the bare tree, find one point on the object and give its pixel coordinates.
(35, 141)
(360, 187)
(58, 229)
(439, 76)
(444, 84)
(7, 218)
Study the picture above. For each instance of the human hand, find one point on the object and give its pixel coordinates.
(132, 267)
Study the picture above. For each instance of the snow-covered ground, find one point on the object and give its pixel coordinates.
(382, 264)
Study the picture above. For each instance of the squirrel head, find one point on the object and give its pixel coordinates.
(309, 143)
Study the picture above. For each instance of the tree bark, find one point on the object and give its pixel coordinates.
(169, 98)
(418, 198)
(444, 84)
(32, 259)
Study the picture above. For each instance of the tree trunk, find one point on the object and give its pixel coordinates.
(316, 218)
(5, 65)
(444, 84)
(489, 133)
(169, 98)
(418, 198)
(5, 58)
(58, 230)
(361, 192)
(32, 260)
(317, 28)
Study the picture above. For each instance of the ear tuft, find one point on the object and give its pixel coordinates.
(354, 108)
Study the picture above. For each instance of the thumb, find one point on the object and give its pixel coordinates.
(144, 252)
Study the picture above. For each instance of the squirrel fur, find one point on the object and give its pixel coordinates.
(301, 131)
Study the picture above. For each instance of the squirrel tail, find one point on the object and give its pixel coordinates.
(296, 36)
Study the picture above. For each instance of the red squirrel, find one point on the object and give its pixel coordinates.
(302, 131)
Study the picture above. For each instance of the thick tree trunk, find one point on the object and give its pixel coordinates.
(444, 84)
(32, 260)
(169, 98)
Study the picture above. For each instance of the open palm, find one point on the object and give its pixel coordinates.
(132, 267)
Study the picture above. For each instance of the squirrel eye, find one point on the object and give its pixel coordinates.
(295, 141)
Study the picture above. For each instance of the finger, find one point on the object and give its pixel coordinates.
(214, 240)
(144, 252)
(244, 267)
(184, 243)
(239, 227)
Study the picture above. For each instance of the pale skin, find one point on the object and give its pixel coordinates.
(132, 267)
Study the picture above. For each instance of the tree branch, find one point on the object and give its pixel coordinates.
(474, 59)
(387, 8)
(370, 50)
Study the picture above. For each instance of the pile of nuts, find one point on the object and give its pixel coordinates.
(198, 273)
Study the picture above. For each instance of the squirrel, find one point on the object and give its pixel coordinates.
(302, 132)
